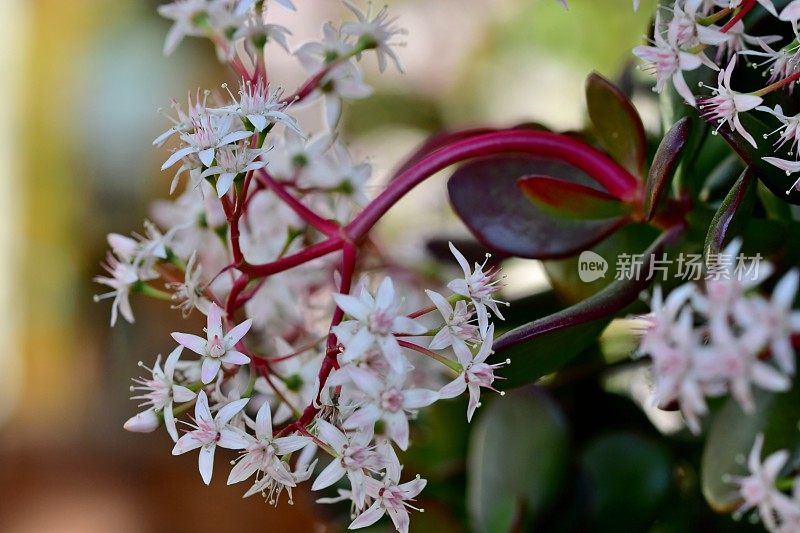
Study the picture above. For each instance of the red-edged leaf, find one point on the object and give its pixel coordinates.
(740, 198)
(571, 200)
(616, 123)
(485, 196)
(544, 345)
(664, 162)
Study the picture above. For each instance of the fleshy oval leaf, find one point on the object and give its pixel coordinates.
(739, 199)
(525, 429)
(617, 124)
(485, 196)
(667, 157)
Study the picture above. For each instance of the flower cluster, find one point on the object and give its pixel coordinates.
(297, 356)
(721, 338)
(710, 33)
(759, 490)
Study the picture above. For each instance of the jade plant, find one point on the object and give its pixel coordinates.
(671, 258)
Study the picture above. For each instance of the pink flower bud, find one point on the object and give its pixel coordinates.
(144, 422)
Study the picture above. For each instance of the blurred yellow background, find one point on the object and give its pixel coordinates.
(83, 80)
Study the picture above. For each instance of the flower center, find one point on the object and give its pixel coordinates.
(392, 400)
(215, 347)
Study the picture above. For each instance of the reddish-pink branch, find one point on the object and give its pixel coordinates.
(748, 5)
(615, 179)
(325, 226)
(305, 255)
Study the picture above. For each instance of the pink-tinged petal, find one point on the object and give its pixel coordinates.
(358, 345)
(214, 322)
(454, 388)
(769, 378)
(462, 261)
(292, 443)
(144, 422)
(767, 4)
(235, 136)
(177, 156)
(124, 304)
(181, 394)
(277, 469)
(474, 400)
(172, 360)
(746, 102)
(683, 89)
(737, 124)
(786, 289)
(230, 410)
(754, 459)
(364, 379)
(363, 417)
(169, 422)
(352, 306)
(791, 13)
(264, 421)
(483, 318)
(209, 370)
(393, 354)
(403, 324)
(206, 462)
(399, 517)
(259, 121)
(441, 340)
(411, 489)
(201, 410)
(441, 303)
(783, 164)
(224, 182)
(186, 443)
(486, 347)
(417, 398)
(358, 488)
(774, 463)
(459, 286)
(331, 435)
(193, 342)
(232, 439)
(243, 469)
(122, 245)
(397, 428)
(206, 156)
(232, 357)
(462, 351)
(384, 298)
(368, 517)
(330, 475)
(237, 333)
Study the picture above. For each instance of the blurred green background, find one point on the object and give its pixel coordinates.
(83, 80)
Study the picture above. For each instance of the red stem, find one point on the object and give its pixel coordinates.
(325, 226)
(738, 16)
(615, 179)
(303, 256)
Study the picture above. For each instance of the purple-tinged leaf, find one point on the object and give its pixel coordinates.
(485, 195)
(616, 123)
(545, 345)
(739, 199)
(664, 162)
(571, 200)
